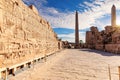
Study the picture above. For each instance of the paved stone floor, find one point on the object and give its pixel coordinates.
(74, 64)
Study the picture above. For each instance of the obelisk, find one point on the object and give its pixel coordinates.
(76, 31)
(113, 16)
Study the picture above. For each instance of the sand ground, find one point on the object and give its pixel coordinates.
(74, 64)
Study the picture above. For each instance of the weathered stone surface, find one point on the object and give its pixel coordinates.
(34, 9)
(99, 46)
(114, 48)
(23, 33)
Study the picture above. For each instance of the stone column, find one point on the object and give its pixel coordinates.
(76, 31)
(113, 16)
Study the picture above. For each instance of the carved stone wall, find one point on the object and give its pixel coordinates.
(23, 33)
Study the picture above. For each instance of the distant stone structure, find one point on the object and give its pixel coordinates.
(77, 45)
(106, 40)
(25, 37)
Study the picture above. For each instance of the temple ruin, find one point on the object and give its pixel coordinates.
(25, 37)
(106, 40)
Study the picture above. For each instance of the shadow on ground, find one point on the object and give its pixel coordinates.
(100, 52)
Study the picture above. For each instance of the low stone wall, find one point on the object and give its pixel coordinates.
(114, 48)
(99, 47)
(91, 46)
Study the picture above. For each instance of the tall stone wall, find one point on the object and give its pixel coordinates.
(23, 33)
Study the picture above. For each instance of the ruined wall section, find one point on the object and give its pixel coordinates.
(23, 33)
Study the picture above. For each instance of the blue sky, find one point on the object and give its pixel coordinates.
(61, 15)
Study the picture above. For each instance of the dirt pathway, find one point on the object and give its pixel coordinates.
(74, 64)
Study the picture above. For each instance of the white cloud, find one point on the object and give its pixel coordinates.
(88, 18)
(89, 4)
(52, 10)
(93, 12)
